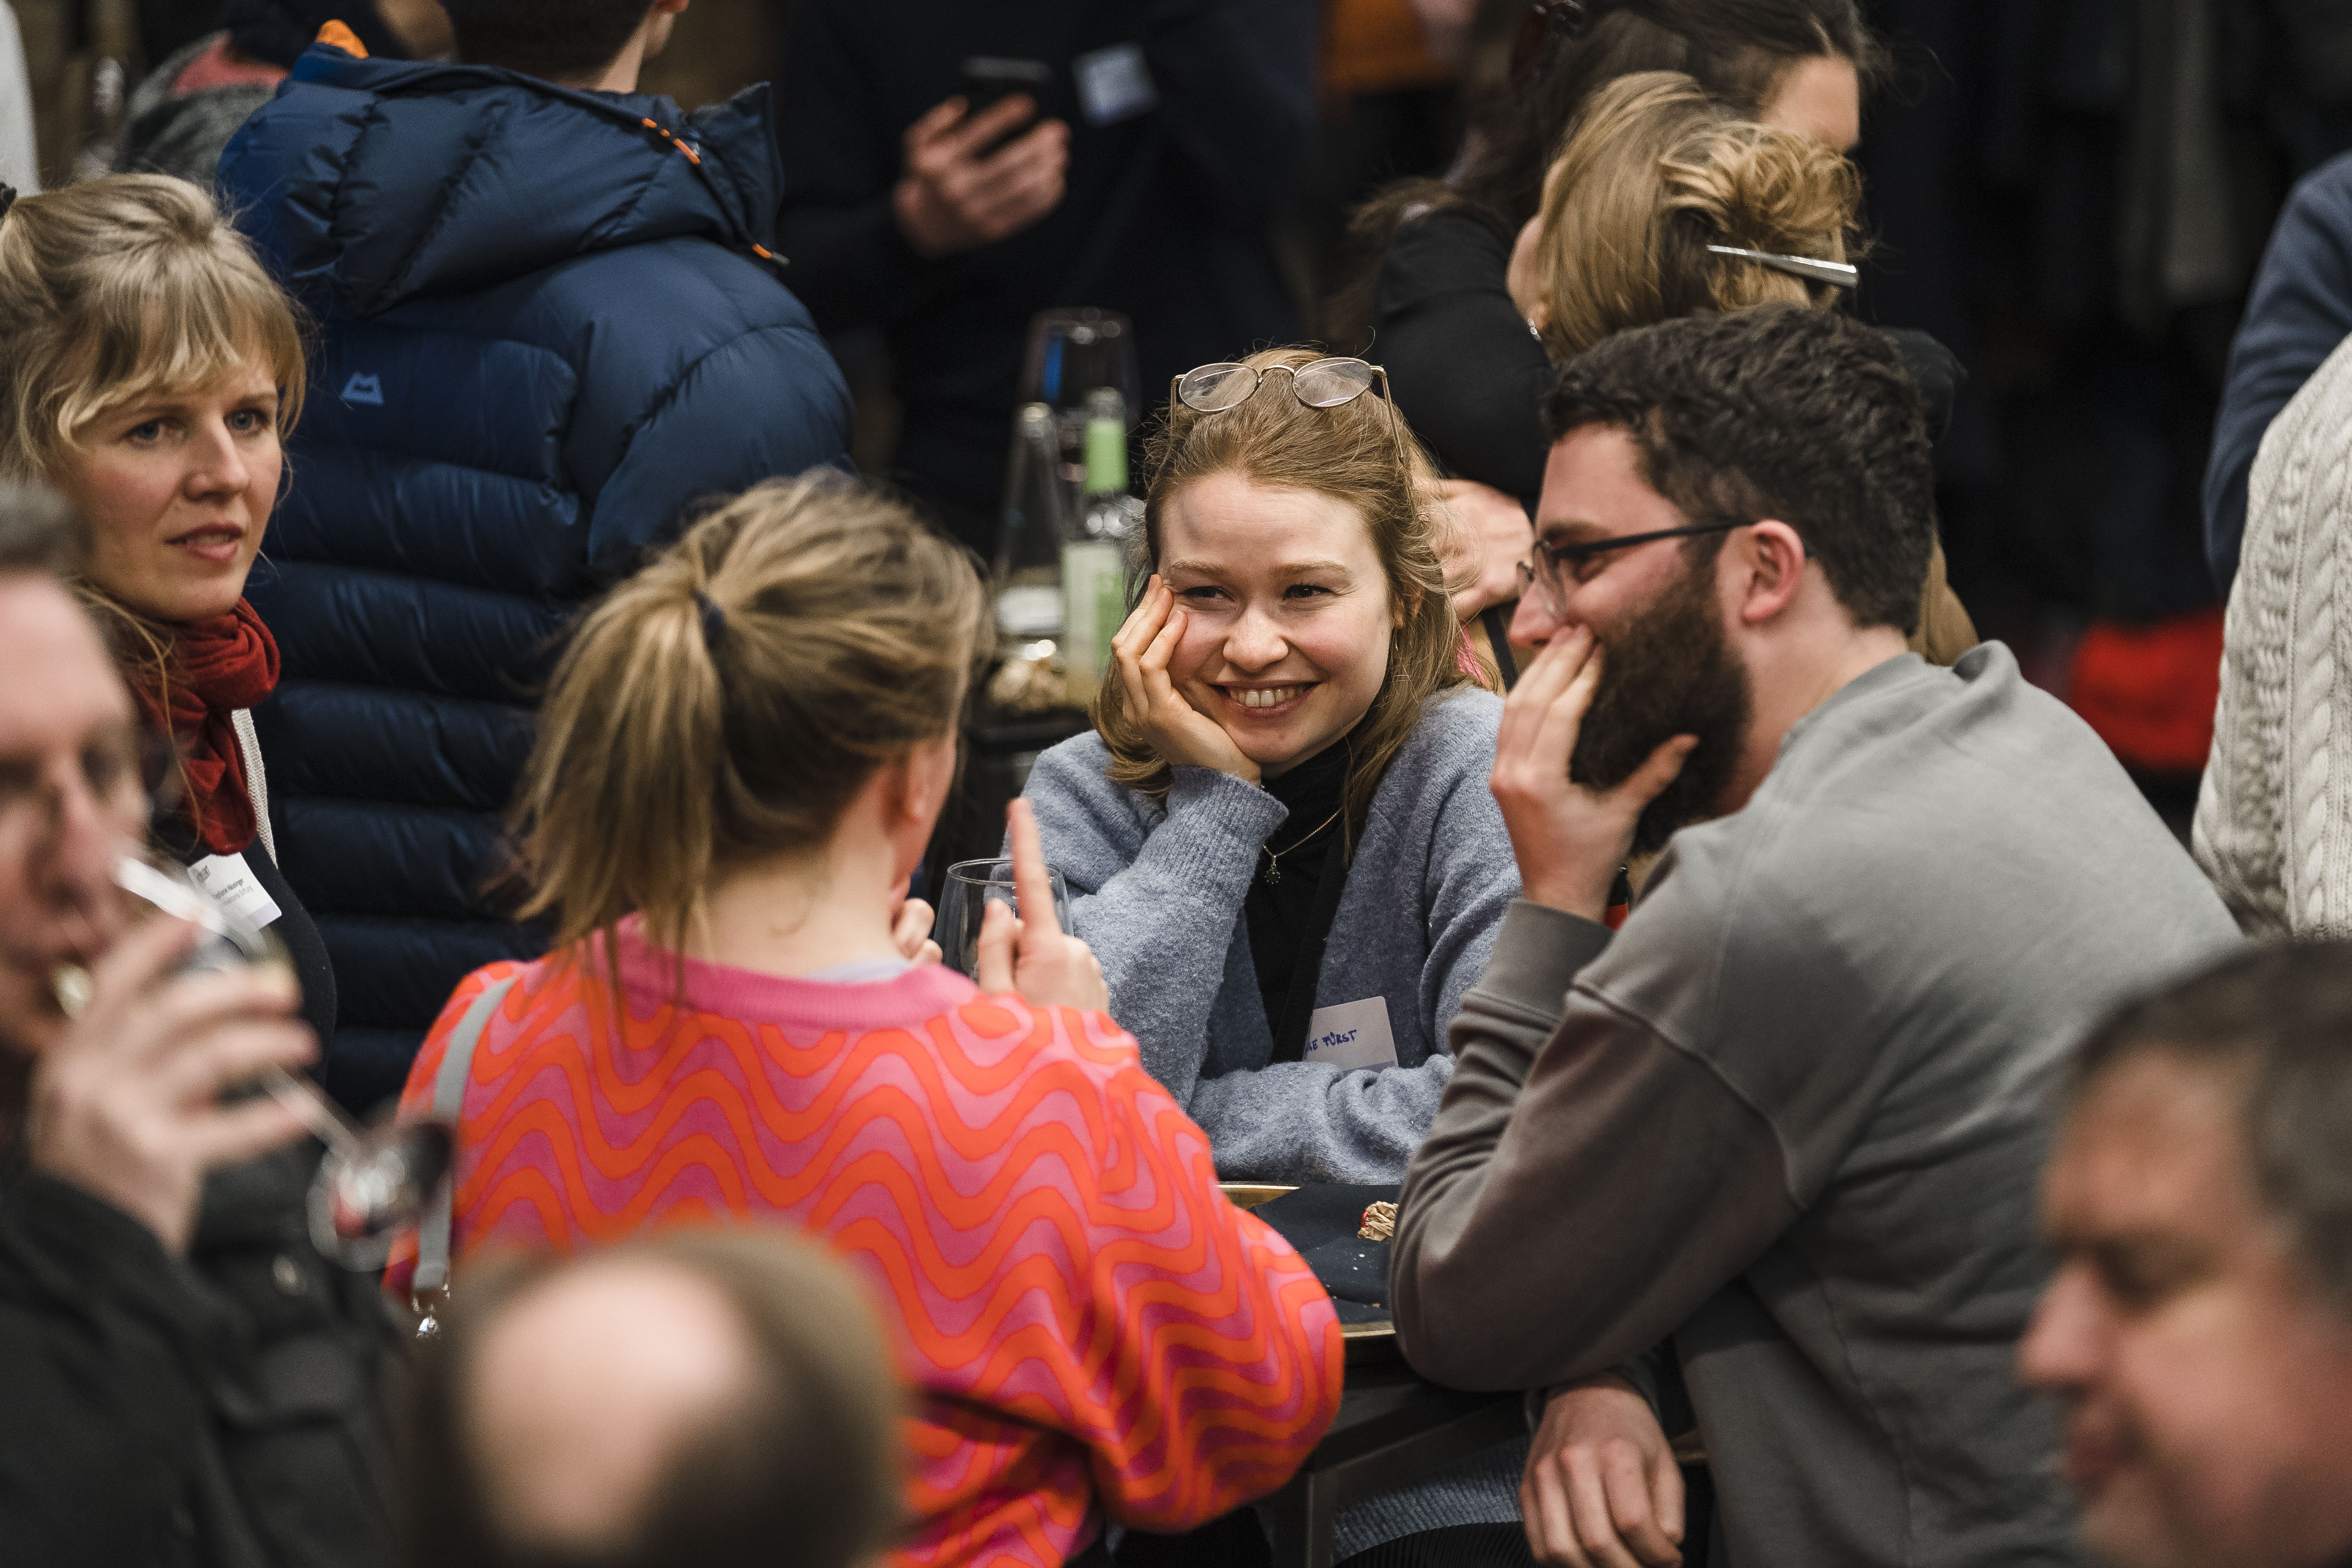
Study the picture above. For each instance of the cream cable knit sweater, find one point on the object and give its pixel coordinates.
(2273, 826)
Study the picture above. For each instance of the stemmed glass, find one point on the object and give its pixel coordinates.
(971, 887)
(375, 1180)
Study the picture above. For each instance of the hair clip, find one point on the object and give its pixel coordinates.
(7, 198)
(714, 621)
(1837, 274)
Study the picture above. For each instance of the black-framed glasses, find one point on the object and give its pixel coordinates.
(1324, 384)
(1554, 563)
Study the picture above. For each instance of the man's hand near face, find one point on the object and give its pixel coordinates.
(957, 196)
(126, 1104)
(1570, 840)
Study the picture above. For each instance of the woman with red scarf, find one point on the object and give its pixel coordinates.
(156, 367)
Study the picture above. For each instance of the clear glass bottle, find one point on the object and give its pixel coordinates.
(1094, 586)
(1029, 597)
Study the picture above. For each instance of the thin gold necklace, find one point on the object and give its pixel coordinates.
(1273, 877)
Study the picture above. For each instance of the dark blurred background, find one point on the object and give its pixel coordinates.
(2072, 195)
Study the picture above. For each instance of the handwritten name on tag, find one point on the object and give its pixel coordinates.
(230, 883)
(1352, 1034)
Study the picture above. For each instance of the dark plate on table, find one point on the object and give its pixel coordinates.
(1321, 1223)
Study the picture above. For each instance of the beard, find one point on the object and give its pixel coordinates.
(1668, 671)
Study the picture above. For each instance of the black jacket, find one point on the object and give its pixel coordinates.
(219, 1410)
(1169, 215)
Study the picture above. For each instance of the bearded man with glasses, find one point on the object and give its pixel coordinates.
(1765, 1158)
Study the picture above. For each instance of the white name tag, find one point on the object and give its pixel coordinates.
(1115, 84)
(1352, 1034)
(229, 882)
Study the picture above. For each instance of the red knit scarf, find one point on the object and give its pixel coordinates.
(215, 667)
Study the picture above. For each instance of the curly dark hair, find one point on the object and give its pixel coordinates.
(1777, 412)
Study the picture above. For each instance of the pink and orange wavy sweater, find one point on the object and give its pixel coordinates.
(1084, 1318)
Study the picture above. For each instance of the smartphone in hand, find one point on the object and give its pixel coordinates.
(989, 80)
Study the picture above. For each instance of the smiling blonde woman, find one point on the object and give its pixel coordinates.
(1280, 841)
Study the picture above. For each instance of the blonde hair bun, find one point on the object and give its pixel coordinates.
(1653, 173)
(1762, 188)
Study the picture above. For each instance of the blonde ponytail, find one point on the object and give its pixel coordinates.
(726, 702)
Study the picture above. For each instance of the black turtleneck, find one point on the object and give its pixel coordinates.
(1280, 913)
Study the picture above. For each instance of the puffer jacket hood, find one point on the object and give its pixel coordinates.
(413, 180)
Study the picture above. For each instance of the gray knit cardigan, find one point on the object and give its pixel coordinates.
(2273, 826)
(1157, 891)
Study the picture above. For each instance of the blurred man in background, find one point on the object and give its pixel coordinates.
(196, 96)
(2199, 1330)
(1142, 166)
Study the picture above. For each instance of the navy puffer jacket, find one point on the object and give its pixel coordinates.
(546, 332)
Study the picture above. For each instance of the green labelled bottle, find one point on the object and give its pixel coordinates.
(1093, 590)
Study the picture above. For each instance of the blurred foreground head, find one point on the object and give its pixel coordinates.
(72, 786)
(2199, 1330)
(703, 1400)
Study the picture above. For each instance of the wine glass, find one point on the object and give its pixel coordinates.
(375, 1180)
(971, 887)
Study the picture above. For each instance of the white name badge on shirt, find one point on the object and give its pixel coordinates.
(1352, 1035)
(1115, 84)
(230, 883)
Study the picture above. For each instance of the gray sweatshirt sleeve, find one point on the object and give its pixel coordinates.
(1588, 1182)
(1157, 904)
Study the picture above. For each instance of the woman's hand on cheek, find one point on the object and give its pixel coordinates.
(1182, 735)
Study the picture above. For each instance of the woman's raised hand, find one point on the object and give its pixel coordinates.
(1030, 955)
(1182, 735)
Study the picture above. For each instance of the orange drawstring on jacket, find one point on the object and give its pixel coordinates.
(695, 158)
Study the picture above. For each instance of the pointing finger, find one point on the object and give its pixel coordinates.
(1031, 882)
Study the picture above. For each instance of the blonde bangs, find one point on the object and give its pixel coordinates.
(122, 289)
(167, 335)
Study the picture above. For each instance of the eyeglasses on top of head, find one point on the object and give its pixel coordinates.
(1554, 563)
(1323, 384)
